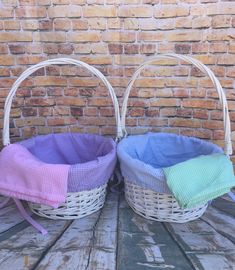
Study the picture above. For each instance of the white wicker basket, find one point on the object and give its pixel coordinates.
(78, 204)
(158, 206)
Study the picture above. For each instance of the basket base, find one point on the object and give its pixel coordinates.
(158, 206)
(77, 205)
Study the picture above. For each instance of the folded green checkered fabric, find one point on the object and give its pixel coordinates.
(201, 179)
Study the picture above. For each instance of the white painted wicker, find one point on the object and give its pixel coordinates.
(78, 204)
(163, 207)
(159, 206)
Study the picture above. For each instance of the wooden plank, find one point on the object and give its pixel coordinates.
(24, 249)
(89, 243)
(144, 244)
(202, 244)
(3, 199)
(225, 224)
(9, 217)
(213, 261)
(228, 206)
(198, 236)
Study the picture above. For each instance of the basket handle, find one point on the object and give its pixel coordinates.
(58, 61)
(227, 126)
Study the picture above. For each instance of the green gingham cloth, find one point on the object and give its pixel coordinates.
(201, 179)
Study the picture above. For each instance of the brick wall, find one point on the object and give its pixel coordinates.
(116, 36)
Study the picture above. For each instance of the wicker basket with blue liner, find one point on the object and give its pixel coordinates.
(91, 158)
(143, 158)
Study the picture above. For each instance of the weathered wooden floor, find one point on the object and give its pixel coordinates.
(115, 238)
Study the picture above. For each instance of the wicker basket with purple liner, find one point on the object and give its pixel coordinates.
(92, 157)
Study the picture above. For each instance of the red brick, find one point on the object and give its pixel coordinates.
(29, 111)
(27, 2)
(76, 111)
(3, 49)
(40, 102)
(30, 12)
(65, 48)
(203, 133)
(151, 36)
(135, 11)
(114, 23)
(15, 37)
(114, 36)
(6, 60)
(149, 24)
(61, 121)
(213, 125)
(152, 122)
(70, 101)
(221, 8)
(221, 21)
(30, 121)
(16, 48)
(168, 112)
(6, 12)
(165, 102)
(50, 48)
(106, 111)
(181, 22)
(201, 22)
(182, 112)
(11, 25)
(97, 23)
(226, 60)
(46, 25)
(82, 37)
(97, 60)
(181, 122)
(79, 24)
(152, 112)
(171, 11)
(200, 47)
(181, 93)
(4, 72)
(62, 24)
(184, 35)
(61, 11)
(53, 91)
(148, 49)
(131, 49)
(134, 112)
(50, 37)
(199, 103)
(99, 11)
(131, 24)
(100, 102)
(182, 48)
(115, 48)
(128, 60)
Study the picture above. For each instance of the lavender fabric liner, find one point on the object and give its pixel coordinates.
(92, 157)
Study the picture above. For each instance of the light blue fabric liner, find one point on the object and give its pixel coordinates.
(142, 157)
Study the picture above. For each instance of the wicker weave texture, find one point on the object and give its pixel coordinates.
(159, 206)
(77, 205)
